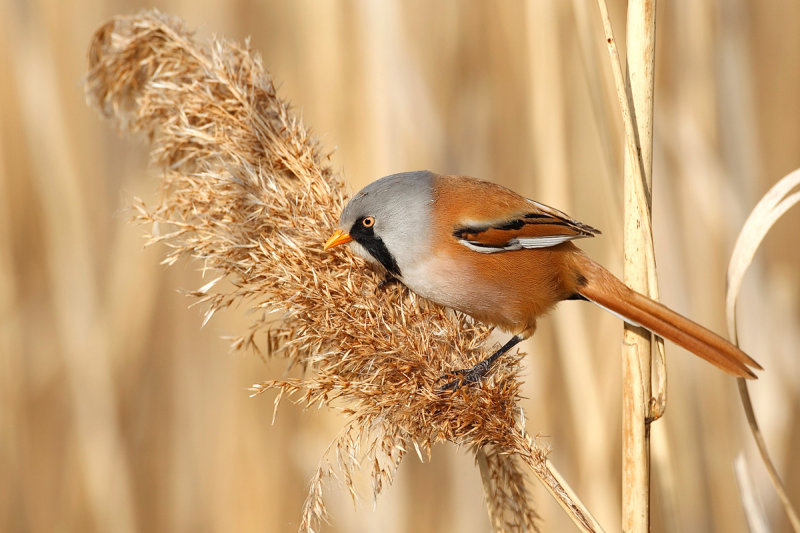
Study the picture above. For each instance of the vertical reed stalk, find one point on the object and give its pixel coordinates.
(636, 352)
(636, 104)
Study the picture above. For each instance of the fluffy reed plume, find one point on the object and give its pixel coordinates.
(249, 193)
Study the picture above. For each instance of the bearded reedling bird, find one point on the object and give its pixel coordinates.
(505, 260)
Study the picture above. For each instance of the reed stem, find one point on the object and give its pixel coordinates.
(636, 352)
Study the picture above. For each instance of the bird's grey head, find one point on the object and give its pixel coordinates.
(389, 220)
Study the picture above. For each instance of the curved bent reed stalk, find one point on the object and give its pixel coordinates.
(249, 193)
(779, 199)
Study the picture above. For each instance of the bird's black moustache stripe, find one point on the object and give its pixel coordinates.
(378, 250)
(375, 246)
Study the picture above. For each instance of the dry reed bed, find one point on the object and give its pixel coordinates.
(104, 371)
(248, 192)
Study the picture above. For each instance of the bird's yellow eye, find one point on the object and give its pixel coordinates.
(368, 222)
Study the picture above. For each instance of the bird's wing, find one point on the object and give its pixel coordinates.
(540, 226)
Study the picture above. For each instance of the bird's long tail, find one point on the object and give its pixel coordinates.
(605, 290)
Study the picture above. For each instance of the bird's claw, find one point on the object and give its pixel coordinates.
(465, 376)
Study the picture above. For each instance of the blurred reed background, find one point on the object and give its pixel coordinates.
(118, 413)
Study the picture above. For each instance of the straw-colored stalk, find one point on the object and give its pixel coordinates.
(775, 203)
(636, 348)
(638, 406)
(248, 192)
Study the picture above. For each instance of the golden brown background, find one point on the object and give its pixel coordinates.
(118, 413)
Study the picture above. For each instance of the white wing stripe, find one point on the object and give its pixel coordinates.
(484, 249)
(519, 243)
(544, 242)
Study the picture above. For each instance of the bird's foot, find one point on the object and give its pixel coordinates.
(466, 376)
(470, 376)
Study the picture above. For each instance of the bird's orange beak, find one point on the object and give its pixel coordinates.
(338, 237)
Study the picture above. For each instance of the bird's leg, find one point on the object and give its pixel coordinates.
(479, 371)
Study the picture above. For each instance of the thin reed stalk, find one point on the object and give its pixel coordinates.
(639, 408)
(636, 351)
(774, 204)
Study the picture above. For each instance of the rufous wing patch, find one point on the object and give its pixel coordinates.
(531, 230)
(490, 218)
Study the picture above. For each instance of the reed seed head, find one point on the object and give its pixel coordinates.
(248, 192)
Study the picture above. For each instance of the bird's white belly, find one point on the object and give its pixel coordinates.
(428, 283)
(442, 282)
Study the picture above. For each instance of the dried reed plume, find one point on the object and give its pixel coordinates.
(248, 192)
